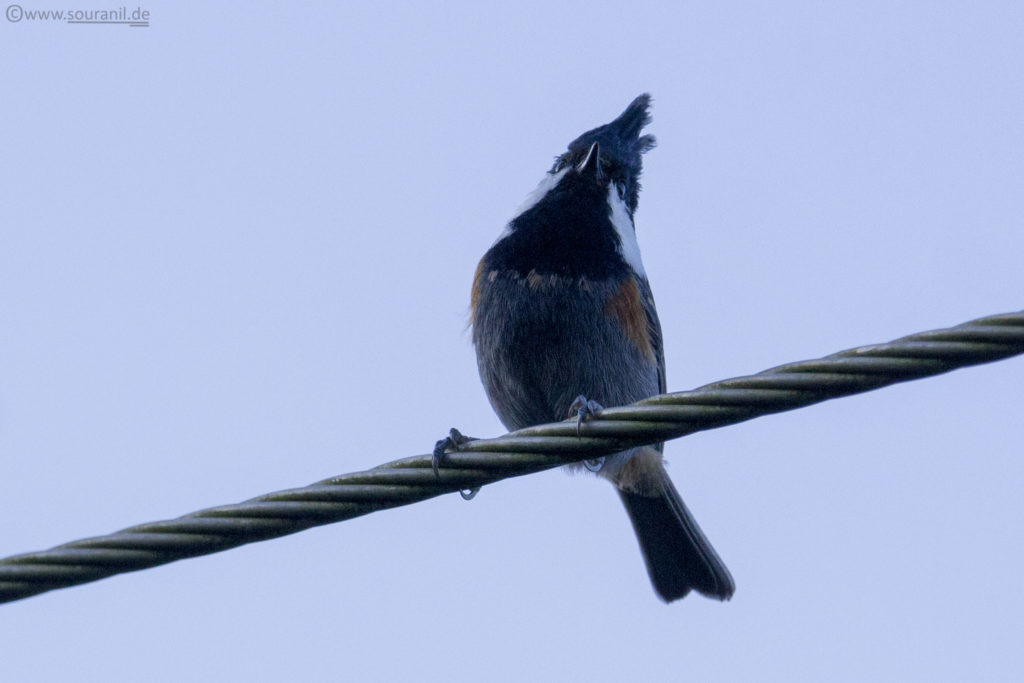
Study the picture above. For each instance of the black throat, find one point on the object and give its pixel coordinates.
(568, 233)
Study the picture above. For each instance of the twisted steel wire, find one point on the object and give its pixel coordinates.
(485, 461)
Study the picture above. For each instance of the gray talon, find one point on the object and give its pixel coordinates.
(453, 442)
(583, 408)
(454, 439)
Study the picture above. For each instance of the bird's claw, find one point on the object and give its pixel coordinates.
(582, 408)
(453, 441)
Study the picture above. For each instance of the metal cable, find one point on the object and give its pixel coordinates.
(529, 450)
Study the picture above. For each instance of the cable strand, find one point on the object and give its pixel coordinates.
(526, 451)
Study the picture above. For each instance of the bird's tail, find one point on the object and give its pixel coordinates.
(678, 556)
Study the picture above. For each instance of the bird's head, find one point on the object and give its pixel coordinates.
(613, 153)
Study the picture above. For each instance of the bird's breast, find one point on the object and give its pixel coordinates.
(542, 339)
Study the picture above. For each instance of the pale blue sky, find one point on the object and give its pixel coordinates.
(235, 256)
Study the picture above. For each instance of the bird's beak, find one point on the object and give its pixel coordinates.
(591, 164)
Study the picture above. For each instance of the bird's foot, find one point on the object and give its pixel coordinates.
(452, 442)
(582, 408)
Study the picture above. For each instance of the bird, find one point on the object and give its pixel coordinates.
(564, 323)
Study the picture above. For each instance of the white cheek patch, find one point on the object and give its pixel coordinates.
(548, 182)
(628, 246)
